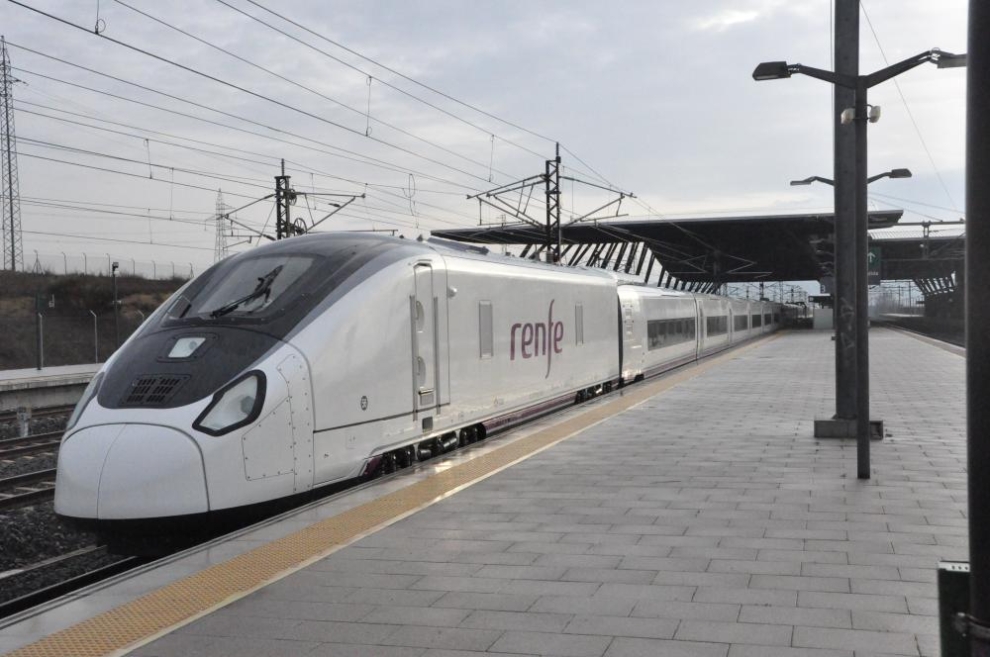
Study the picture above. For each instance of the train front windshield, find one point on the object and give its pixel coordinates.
(247, 288)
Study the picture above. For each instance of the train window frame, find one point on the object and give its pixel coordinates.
(188, 308)
(578, 323)
(663, 333)
(716, 325)
(486, 331)
(255, 413)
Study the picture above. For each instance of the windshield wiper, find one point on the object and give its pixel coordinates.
(263, 288)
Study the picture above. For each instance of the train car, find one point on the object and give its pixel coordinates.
(659, 330)
(326, 357)
(318, 359)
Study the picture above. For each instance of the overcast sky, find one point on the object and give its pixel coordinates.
(655, 97)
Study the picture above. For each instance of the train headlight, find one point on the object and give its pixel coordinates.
(235, 405)
(87, 396)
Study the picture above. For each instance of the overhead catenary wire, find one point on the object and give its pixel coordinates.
(124, 173)
(385, 82)
(362, 113)
(261, 184)
(116, 240)
(245, 90)
(240, 152)
(413, 81)
(340, 152)
(910, 114)
(253, 182)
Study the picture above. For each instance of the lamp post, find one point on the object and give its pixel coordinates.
(858, 342)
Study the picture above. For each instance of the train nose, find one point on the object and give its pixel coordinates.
(124, 471)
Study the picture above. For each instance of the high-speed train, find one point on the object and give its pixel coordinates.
(327, 357)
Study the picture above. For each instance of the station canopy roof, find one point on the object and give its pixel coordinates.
(724, 249)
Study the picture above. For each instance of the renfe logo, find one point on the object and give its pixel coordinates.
(537, 339)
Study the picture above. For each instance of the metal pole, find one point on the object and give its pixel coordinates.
(845, 177)
(116, 308)
(862, 293)
(978, 320)
(96, 339)
(38, 332)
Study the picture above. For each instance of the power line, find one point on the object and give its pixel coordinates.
(227, 178)
(309, 89)
(349, 154)
(385, 82)
(125, 173)
(112, 239)
(412, 80)
(272, 158)
(910, 114)
(245, 90)
(253, 182)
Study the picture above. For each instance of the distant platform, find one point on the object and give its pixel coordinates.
(49, 386)
(690, 515)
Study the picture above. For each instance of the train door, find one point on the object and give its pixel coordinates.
(296, 375)
(702, 329)
(424, 346)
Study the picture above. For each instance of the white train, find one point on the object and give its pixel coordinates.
(326, 357)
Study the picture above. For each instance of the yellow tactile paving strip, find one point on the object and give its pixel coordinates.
(153, 615)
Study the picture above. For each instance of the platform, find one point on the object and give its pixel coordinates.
(692, 516)
(49, 386)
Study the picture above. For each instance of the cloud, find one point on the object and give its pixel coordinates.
(725, 19)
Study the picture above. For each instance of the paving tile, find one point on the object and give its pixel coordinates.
(530, 621)
(443, 637)
(759, 634)
(777, 651)
(857, 640)
(677, 610)
(297, 609)
(628, 647)
(600, 605)
(835, 584)
(399, 615)
(841, 618)
(545, 643)
(337, 632)
(649, 628)
(646, 592)
(776, 597)
(356, 650)
(494, 601)
(231, 625)
(886, 622)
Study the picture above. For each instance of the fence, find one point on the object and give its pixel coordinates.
(67, 338)
(100, 264)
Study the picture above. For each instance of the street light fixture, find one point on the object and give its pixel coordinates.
(893, 173)
(857, 341)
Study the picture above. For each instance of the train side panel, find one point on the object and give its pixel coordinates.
(526, 335)
(660, 330)
(713, 324)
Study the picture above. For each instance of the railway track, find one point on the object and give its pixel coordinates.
(29, 488)
(34, 444)
(53, 578)
(11, 416)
